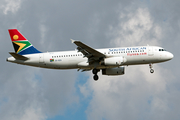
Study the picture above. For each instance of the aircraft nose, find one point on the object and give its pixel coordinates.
(170, 56)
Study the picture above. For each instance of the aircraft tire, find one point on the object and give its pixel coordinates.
(96, 77)
(151, 71)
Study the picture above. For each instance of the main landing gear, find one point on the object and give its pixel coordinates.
(151, 68)
(95, 71)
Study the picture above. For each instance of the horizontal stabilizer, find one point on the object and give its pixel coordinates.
(18, 56)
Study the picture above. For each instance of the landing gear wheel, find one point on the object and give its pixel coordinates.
(95, 71)
(151, 71)
(151, 68)
(96, 77)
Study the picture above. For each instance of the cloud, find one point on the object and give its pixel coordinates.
(19, 95)
(35, 94)
(10, 6)
(135, 28)
(33, 114)
(43, 31)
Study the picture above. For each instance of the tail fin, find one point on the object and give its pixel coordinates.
(21, 45)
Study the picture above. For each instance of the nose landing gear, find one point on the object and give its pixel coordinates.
(95, 71)
(151, 68)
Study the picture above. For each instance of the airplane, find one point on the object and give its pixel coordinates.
(111, 61)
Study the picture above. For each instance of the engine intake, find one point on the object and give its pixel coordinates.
(114, 71)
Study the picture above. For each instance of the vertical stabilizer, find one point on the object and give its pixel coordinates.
(21, 45)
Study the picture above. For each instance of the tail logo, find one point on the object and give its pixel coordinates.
(21, 45)
(15, 37)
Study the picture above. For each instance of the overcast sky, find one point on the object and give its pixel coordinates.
(29, 93)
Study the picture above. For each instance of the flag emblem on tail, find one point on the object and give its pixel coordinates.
(21, 45)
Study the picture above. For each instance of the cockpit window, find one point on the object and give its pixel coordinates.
(162, 50)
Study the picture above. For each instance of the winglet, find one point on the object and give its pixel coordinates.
(72, 40)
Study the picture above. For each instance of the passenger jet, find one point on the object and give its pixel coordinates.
(110, 61)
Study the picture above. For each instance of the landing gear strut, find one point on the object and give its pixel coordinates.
(95, 71)
(151, 68)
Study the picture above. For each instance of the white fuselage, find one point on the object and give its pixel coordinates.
(76, 60)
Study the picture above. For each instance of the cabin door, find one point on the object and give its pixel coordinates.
(41, 58)
(150, 51)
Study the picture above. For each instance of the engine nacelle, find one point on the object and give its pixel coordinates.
(114, 61)
(114, 71)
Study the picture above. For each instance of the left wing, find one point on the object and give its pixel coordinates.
(92, 54)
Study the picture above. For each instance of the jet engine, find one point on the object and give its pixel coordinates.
(114, 61)
(114, 71)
